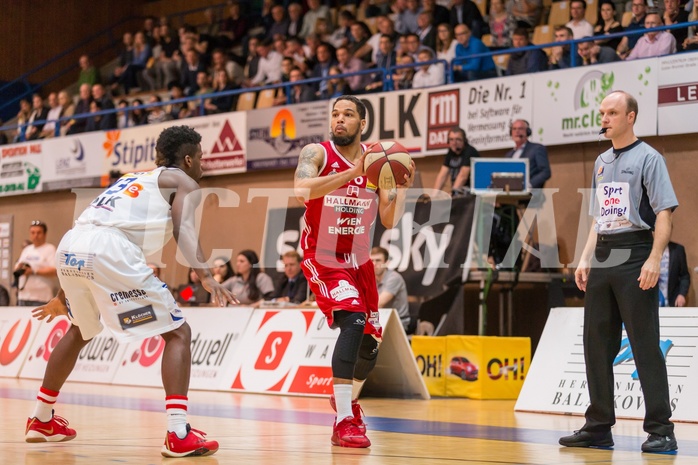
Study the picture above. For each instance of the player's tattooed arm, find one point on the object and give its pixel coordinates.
(308, 184)
(309, 162)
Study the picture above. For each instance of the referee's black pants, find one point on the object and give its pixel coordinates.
(613, 298)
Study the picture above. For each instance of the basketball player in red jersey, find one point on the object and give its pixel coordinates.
(341, 207)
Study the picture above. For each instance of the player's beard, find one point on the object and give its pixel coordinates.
(343, 141)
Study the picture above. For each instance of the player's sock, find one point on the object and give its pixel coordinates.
(356, 388)
(176, 407)
(43, 411)
(342, 397)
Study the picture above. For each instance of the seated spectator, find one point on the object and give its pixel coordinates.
(675, 14)
(592, 53)
(269, 68)
(406, 22)
(68, 109)
(691, 42)
(193, 293)
(295, 19)
(627, 43)
(296, 52)
(141, 54)
(301, 93)
(325, 60)
(220, 103)
(474, 68)
(560, 56)
(250, 284)
(529, 61)
(108, 120)
(252, 61)
(292, 285)
(445, 42)
(25, 109)
(439, 13)
(95, 122)
(359, 47)
(221, 61)
(527, 13)
(392, 290)
(315, 11)
(322, 29)
(234, 28)
(122, 116)
(385, 26)
(502, 25)
(178, 110)
(211, 27)
(88, 73)
(138, 116)
(426, 31)
(341, 36)
(607, 24)
(39, 113)
(428, 75)
(402, 79)
(578, 24)
(280, 22)
(221, 269)
(191, 67)
(156, 114)
(374, 8)
(77, 125)
(348, 64)
(337, 87)
(653, 44)
(125, 58)
(54, 113)
(387, 57)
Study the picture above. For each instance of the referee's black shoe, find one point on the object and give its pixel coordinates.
(660, 444)
(583, 438)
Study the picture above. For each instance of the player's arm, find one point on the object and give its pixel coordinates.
(463, 175)
(441, 178)
(652, 266)
(391, 203)
(308, 185)
(186, 199)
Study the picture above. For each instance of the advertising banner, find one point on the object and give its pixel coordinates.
(677, 96)
(133, 149)
(275, 136)
(21, 168)
(72, 161)
(566, 106)
(556, 381)
(17, 331)
(429, 352)
(42, 346)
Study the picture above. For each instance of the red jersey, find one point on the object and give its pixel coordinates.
(338, 226)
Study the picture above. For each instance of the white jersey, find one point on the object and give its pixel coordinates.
(135, 206)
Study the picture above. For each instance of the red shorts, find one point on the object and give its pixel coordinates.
(350, 289)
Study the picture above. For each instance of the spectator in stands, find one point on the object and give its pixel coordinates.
(315, 11)
(301, 93)
(439, 13)
(203, 83)
(428, 75)
(122, 116)
(402, 78)
(250, 284)
(148, 31)
(348, 64)
(141, 54)
(360, 48)
(95, 122)
(474, 68)
(156, 114)
(192, 293)
(98, 93)
(221, 269)
(406, 22)
(466, 12)
(139, 116)
(166, 69)
(607, 24)
(627, 43)
(325, 59)
(456, 166)
(674, 14)
(387, 57)
(269, 68)
(280, 22)
(252, 61)
(538, 164)
(426, 32)
(88, 73)
(177, 110)
(691, 42)
(386, 26)
(221, 61)
(337, 87)
(234, 27)
(77, 125)
(445, 42)
(502, 25)
(39, 114)
(374, 8)
(322, 29)
(674, 277)
(68, 109)
(211, 27)
(523, 62)
(191, 67)
(125, 58)
(413, 46)
(25, 109)
(341, 36)
(54, 113)
(392, 290)
(653, 44)
(578, 24)
(292, 285)
(560, 55)
(527, 13)
(220, 103)
(295, 19)
(592, 53)
(286, 67)
(312, 42)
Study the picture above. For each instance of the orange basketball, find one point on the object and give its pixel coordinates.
(386, 164)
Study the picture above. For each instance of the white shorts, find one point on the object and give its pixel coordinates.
(103, 273)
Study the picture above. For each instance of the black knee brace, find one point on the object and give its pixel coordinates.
(346, 350)
(368, 352)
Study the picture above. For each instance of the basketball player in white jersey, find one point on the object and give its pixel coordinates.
(105, 280)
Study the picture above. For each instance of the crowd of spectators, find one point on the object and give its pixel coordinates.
(295, 40)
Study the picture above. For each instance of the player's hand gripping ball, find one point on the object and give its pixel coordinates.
(386, 164)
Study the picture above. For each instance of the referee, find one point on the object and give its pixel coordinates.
(619, 268)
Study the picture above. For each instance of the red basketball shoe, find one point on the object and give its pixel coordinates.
(347, 433)
(194, 444)
(356, 410)
(54, 430)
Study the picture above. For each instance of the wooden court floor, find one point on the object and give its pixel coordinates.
(124, 425)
